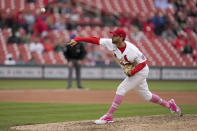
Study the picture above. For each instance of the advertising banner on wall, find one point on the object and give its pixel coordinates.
(113, 73)
(20, 72)
(60, 72)
(179, 74)
(91, 73)
(154, 74)
(55, 72)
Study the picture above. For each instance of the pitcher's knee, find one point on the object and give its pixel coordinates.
(121, 91)
(146, 95)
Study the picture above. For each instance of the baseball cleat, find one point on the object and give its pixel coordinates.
(104, 119)
(175, 108)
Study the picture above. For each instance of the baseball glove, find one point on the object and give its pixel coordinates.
(128, 68)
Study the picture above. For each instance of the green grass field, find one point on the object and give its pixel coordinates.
(12, 113)
(106, 85)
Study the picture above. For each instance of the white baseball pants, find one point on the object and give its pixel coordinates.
(138, 83)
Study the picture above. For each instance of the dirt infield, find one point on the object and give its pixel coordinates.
(146, 123)
(88, 96)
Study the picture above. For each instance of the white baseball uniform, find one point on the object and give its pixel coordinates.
(131, 55)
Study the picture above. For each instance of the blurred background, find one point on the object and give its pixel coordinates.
(33, 34)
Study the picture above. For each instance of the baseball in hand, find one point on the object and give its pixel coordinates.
(72, 43)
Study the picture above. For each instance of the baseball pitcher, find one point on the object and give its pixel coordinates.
(133, 62)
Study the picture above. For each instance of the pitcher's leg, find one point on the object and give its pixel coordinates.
(145, 93)
(158, 100)
(116, 102)
(127, 84)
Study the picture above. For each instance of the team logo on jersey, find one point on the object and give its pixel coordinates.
(125, 58)
(124, 61)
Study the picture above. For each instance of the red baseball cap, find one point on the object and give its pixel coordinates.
(119, 32)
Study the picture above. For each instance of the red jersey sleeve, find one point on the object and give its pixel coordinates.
(138, 68)
(93, 40)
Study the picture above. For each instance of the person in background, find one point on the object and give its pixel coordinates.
(14, 38)
(40, 26)
(180, 41)
(36, 46)
(19, 19)
(58, 45)
(74, 55)
(9, 60)
(30, 19)
(187, 49)
(136, 34)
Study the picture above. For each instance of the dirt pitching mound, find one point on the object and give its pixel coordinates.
(144, 123)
